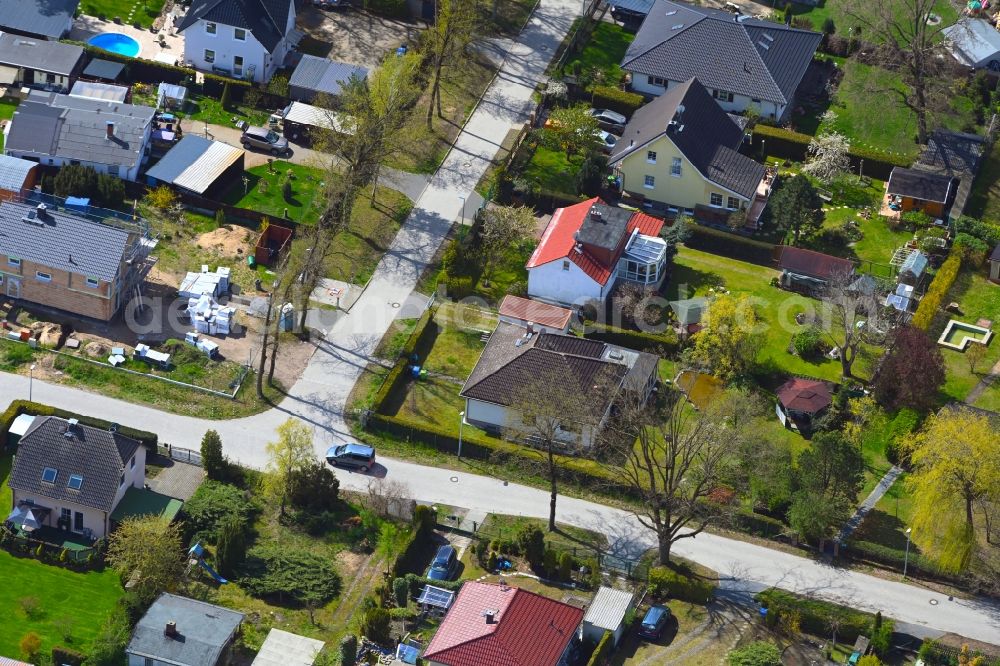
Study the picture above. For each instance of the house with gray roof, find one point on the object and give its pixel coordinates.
(520, 364)
(72, 476)
(37, 63)
(177, 631)
(44, 19)
(681, 153)
(61, 260)
(744, 62)
(56, 130)
(321, 76)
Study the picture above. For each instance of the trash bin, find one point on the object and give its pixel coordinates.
(251, 261)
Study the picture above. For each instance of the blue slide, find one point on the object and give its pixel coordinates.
(197, 552)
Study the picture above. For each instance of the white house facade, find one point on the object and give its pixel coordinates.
(562, 281)
(730, 102)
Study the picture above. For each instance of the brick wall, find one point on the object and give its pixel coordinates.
(64, 291)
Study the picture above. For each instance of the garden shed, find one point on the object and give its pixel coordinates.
(199, 165)
(17, 429)
(320, 76)
(283, 648)
(171, 96)
(915, 189)
(606, 613)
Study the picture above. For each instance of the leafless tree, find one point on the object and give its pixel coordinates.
(857, 317)
(454, 28)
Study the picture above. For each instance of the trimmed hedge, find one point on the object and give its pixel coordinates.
(603, 650)
(419, 342)
(794, 146)
(66, 657)
(215, 84)
(937, 292)
(18, 407)
(638, 340)
(757, 524)
(415, 582)
(730, 245)
(814, 615)
(877, 553)
(623, 102)
(667, 582)
(418, 551)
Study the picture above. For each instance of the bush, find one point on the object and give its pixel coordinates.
(623, 102)
(603, 650)
(881, 635)
(75, 180)
(376, 624)
(30, 644)
(565, 567)
(231, 550)
(758, 653)
(285, 574)
(679, 584)
(550, 562)
(400, 591)
(424, 519)
(814, 616)
(63, 655)
(110, 191)
(807, 343)
(314, 488)
(532, 541)
(730, 245)
(916, 219)
(972, 249)
(212, 458)
(348, 649)
(415, 555)
(988, 232)
(211, 505)
(663, 343)
(937, 292)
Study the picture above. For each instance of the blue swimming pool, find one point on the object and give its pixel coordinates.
(116, 43)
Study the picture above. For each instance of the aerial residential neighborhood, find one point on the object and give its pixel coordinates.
(508, 333)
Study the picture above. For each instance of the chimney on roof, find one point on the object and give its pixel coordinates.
(170, 630)
(491, 615)
(110, 130)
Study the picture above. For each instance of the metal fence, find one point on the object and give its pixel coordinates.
(189, 456)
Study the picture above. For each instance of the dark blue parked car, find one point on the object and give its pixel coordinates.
(444, 564)
(654, 622)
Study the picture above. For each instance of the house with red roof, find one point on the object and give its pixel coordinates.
(588, 247)
(540, 316)
(499, 625)
(802, 400)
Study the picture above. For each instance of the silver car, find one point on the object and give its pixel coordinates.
(609, 119)
(264, 139)
(607, 140)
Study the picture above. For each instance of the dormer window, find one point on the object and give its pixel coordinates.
(75, 482)
(49, 475)
(211, 28)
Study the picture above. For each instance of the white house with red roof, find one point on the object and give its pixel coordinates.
(499, 625)
(587, 247)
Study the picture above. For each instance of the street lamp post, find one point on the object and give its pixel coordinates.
(906, 557)
(461, 424)
(463, 210)
(31, 380)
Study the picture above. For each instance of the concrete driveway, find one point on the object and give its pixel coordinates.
(352, 35)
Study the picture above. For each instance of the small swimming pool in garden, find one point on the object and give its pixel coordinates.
(116, 42)
(959, 335)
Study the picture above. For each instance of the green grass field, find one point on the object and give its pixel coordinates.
(209, 110)
(597, 63)
(265, 191)
(359, 248)
(144, 11)
(7, 108)
(984, 201)
(978, 298)
(832, 9)
(553, 170)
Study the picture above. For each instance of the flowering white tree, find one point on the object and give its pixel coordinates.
(828, 156)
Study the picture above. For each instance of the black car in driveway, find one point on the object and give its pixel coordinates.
(653, 623)
(444, 565)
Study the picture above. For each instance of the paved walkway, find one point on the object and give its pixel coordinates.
(984, 383)
(873, 497)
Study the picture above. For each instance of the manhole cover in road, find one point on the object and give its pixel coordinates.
(454, 479)
(934, 602)
(467, 165)
(395, 305)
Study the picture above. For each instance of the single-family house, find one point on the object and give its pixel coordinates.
(199, 165)
(521, 364)
(995, 264)
(108, 71)
(56, 130)
(283, 648)
(808, 270)
(17, 176)
(38, 63)
(588, 246)
(177, 631)
(43, 19)
(61, 260)
(744, 62)
(956, 155)
(72, 476)
(801, 401)
(499, 624)
(315, 76)
(974, 42)
(916, 189)
(680, 152)
(245, 39)
(606, 612)
(542, 316)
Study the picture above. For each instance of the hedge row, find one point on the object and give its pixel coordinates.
(893, 558)
(67, 657)
(418, 343)
(416, 582)
(987, 232)
(815, 616)
(730, 245)
(793, 145)
(666, 582)
(18, 407)
(602, 653)
(609, 97)
(937, 292)
(657, 342)
(418, 550)
(140, 69)
(757, 524)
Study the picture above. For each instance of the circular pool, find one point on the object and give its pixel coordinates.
(116, 42)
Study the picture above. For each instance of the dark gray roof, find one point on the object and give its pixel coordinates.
(322, 75)
(265, 19)
(103, 69)
(204, 630)
(13, 171)
(39, 54)
(46, 18)
(64, 242)
(956, 154)
(604, 226)
(746, 56)
(704, 132)
(919, 184)
(510, 361)
(48, 124)
(99, 456)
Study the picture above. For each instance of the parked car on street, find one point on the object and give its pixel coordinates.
(609, 120)
(264, 139)
(444, 565)
(357, 456)
(654, 622)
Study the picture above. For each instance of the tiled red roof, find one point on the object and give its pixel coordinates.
(558, 240)
(804, 395)
(813, 264)
(535, 312)
(528, 629)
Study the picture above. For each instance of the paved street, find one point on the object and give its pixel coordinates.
(319, 397)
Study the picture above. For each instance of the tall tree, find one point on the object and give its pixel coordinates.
(571, 129)
(147, 553)
(830, 472)
(455, 27)
(908, 43)
(796, 208)
(857, 318)
(290, 454)
(231, 550)
(956, 467)
(730, 339)
(674, 458)
(503, 228)
(212, 459)
(912, 372)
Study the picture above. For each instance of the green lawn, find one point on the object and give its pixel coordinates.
(455, 353)
(510, 14)
(265, 191)
(978, 298)
(144, 11)
(984, 201)
(504, 528)
(209, 110)
(832, 9)
(7, 108)
(553, 170)
(359, 248)
(71, 606)
(597, 63)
